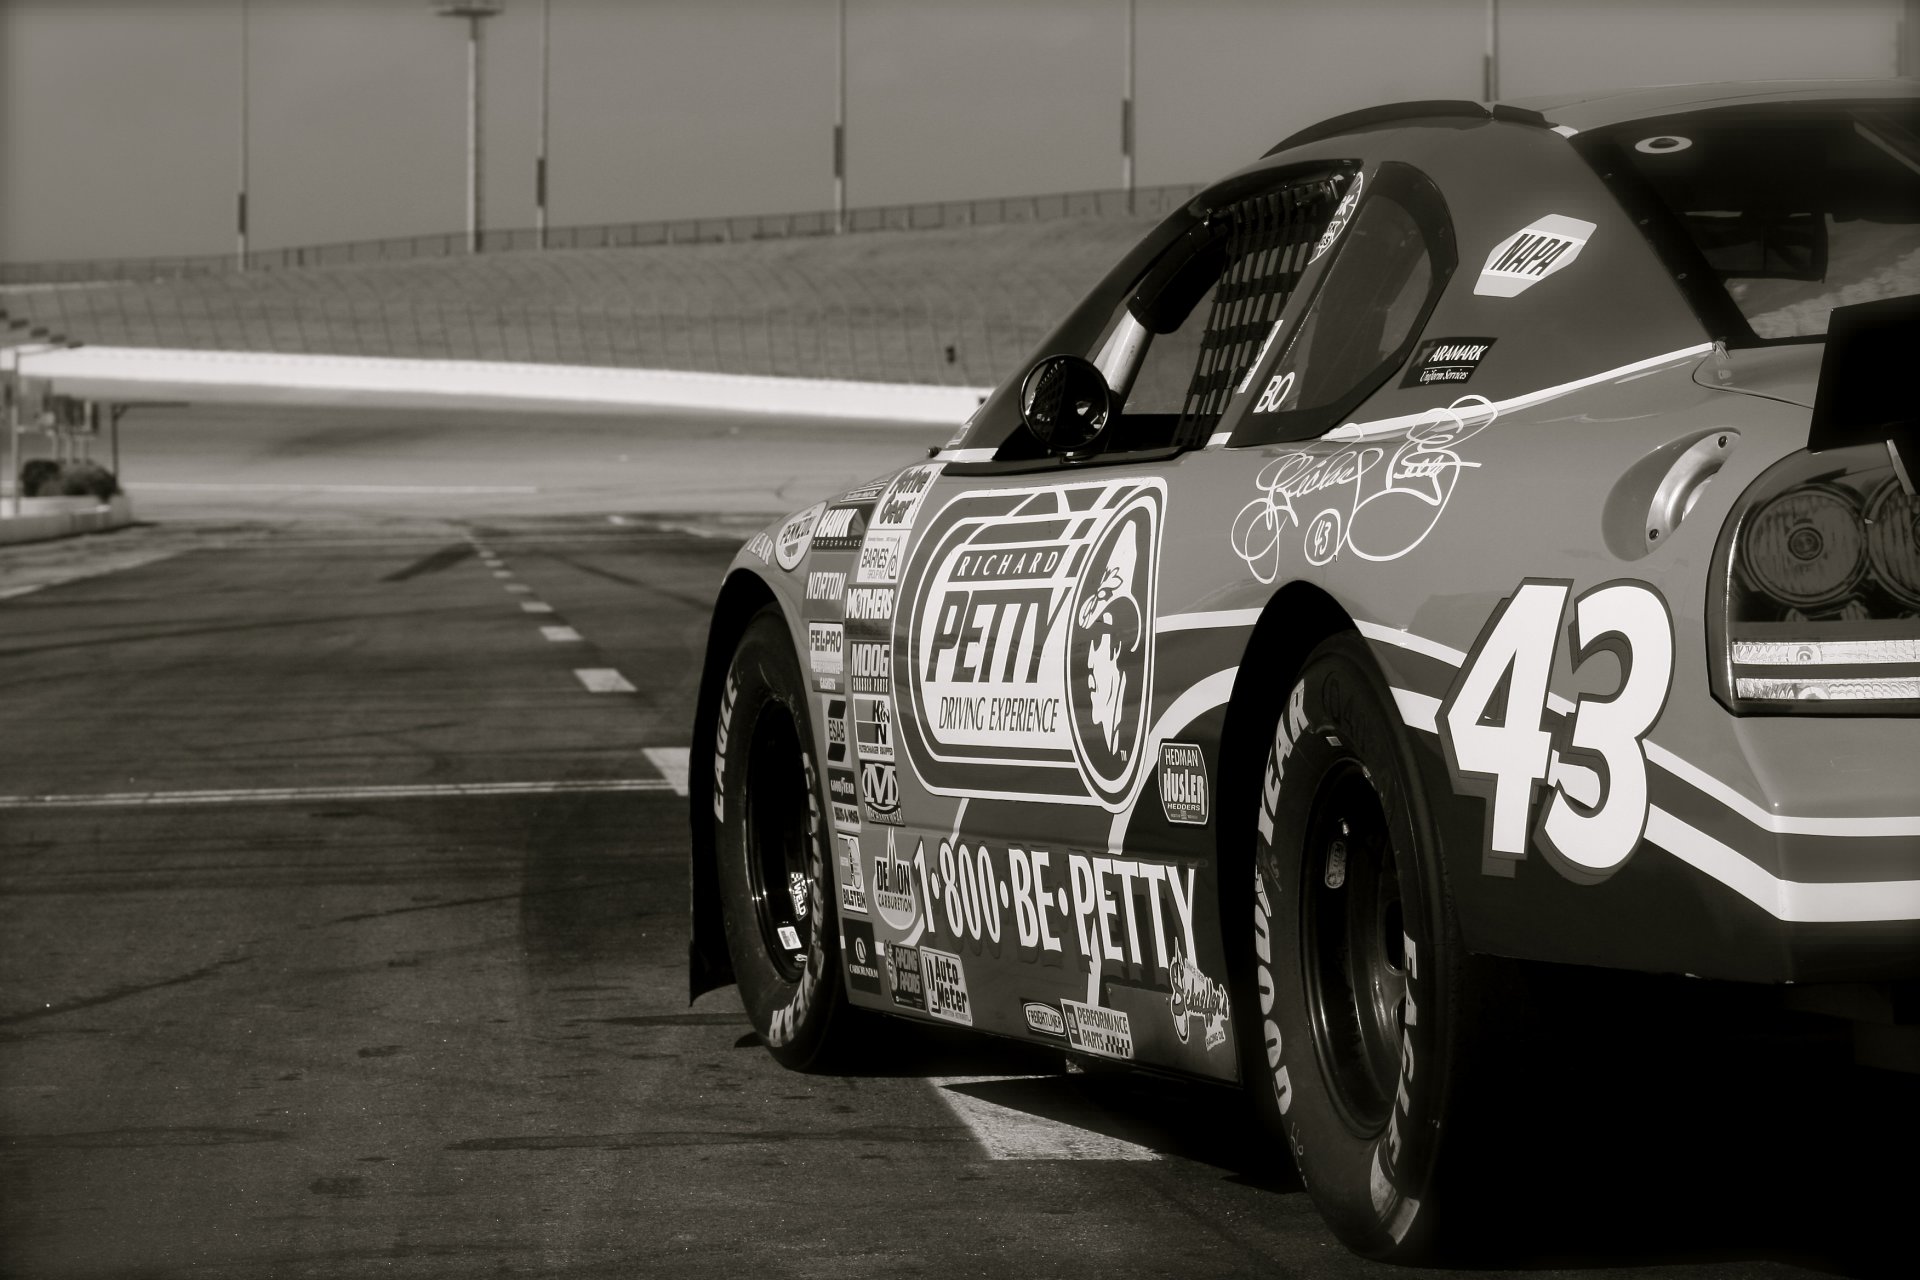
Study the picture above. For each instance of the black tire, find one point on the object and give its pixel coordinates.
(1352, 928)
(772, 857)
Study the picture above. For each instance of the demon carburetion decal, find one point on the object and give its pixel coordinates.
(1028, 643)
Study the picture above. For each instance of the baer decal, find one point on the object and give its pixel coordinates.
(790, 544)
(863, 957)
(1446, 360)
(853, 885)
(1531, 254)
(944, 981)
(826, 654)
(1029, 642)
(1183, 784)
(1378, 501)
(1106, 1033)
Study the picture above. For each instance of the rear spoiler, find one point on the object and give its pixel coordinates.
(1868, 391)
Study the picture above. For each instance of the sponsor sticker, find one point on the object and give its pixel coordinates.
(833, 713)
(872, 605)
(789, 938)
(1106, 1033)
(1029, 642)
(826, 653)
(868, 492)
(946, 987)
(1183, 784)
(893, 895)
(841, 528)
(790, 544)
(1531, 254)
(1197, 998)
(1341, 217)
(904, 980)
(880, 557)
(873, 728)
(801, 891)
(760, 546)
(825, 584)
(902, 500)
(843, 796)
(869, 667)
(1045, 1019)
(1446, 360)
(863, 958)
(853, 884)
(880, 791)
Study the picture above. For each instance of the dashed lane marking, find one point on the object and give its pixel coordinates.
(535, 606)
(561, 635)
(502, 573)
(603, 680)
(672, 764)
(519, 588)
(280, 795)
(1007, 1133)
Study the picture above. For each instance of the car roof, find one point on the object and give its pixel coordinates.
(1583, 111)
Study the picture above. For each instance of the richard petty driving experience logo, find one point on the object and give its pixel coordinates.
(1030, 642)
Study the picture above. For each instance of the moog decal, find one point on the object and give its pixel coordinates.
(1030, 642)
(1379, 501)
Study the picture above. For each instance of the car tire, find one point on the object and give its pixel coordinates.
(1355, 983)
(771, 849)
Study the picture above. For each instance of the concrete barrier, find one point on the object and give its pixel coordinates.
(43, 519)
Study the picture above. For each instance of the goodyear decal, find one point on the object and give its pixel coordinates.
(1028, 642)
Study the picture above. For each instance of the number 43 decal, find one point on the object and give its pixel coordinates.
(1593, 768)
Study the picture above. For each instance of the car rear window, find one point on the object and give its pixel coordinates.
(1771, 216)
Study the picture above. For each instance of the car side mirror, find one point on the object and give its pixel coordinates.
(1066, 403)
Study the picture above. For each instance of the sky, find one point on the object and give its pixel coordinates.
(120, 120)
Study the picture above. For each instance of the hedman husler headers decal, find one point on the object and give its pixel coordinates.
(1029, 642)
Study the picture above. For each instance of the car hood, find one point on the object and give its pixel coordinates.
(1786, 373)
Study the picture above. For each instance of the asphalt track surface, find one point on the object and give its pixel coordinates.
(342, 932)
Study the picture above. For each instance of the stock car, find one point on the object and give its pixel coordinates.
(1472, 530)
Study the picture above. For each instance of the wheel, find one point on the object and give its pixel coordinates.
(1356, 971)
(771, 849)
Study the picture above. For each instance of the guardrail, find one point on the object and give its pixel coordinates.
(931, 215)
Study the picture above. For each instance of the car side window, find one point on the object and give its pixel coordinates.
(1370, 308)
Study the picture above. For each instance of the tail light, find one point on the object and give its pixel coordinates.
(1819, 578)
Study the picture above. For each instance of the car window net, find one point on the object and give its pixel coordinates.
(1796, 210)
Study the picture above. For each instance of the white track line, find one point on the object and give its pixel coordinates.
(561, 635)
(1009, 1134)
(278, 795)
(535, 606)
(603, 680)
(672, 764)
(518, 588)
(208, 487)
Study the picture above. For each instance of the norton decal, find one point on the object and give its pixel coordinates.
(843, 796)
(945, 984)
(903, 976)
(1196, 997)
(826, 654)
(1029, 642)
(870, 667)
(893, 895)
(790, 545)
(880, 558)
(1531, 254)
(760, 546)
(1107, 1033)
(842, 528)
(1379, 501)
(1183, 784)
(833, 710)
(853, 886)
(1044, 1019)
(873, 728)
(825, 584)
(904, 496)
(863, 958)
(1446, 360)
(880, 792)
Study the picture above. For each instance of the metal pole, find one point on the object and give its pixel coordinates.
(240, 207)
(1126, 115)
(540, 160)
(1491, 63)
(473, 134)
(840, 127)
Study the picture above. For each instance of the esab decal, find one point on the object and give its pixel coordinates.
(945, 983)
(904, 982)
(1029, 641)
(1107, 1033)
(833, 710)
(863, 958)
(790, 544)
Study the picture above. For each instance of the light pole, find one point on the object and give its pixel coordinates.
(473, 11)
(840, 126)
(240, 204)
(1491, 64)
(540, 159)
(1126, 115)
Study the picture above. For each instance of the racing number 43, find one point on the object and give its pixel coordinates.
(1592, 768)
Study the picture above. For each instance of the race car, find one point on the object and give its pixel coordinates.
(1472, 530)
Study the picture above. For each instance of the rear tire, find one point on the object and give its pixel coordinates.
(772, 853)
(1353, 990)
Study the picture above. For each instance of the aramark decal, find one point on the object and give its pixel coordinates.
(1029, 642)
(1379, 501)
(790, 545)
(1446, 360)
(1531, 254)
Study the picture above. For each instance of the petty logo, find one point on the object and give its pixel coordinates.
(1029, 640)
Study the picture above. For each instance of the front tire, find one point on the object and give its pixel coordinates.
(771, 847)
(1357, 972)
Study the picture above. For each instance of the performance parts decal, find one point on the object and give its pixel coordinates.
(1029, 642)
(790, 544)
(1378, 501)
(1531, 254)
(1105, 1033)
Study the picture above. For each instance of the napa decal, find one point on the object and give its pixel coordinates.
(1531, 254)
(1029, 642)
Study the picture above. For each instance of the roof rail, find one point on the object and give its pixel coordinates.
(1407, 113)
